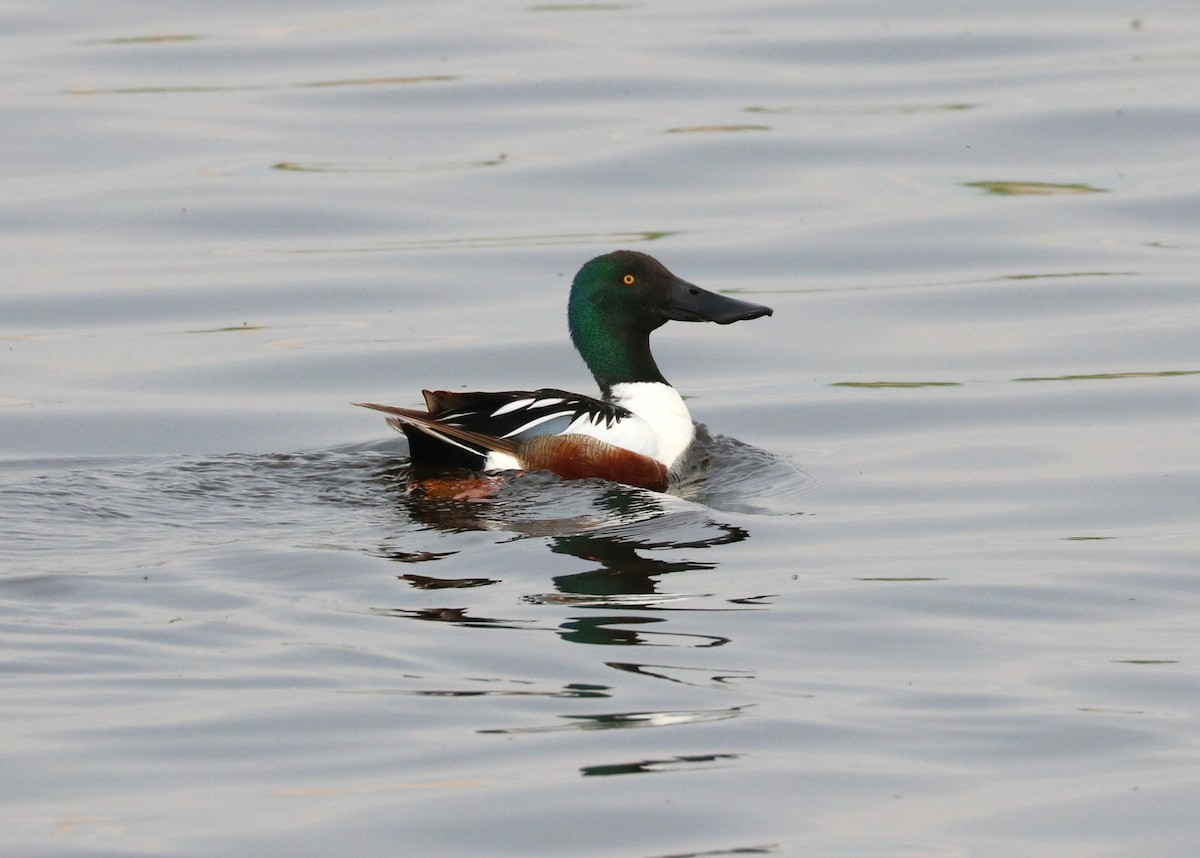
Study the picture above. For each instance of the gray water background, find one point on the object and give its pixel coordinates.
(937, 595)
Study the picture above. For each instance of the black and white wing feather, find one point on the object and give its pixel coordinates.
(522, 414)
(482, 430)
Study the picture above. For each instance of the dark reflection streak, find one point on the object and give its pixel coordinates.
(622, 581)
(456, 616)
(620, 601)
(754, 600)
(595, 630)
(424, 582)
(731, 534)
(644, 670)
(645, 767)
(568, 694)
(587, 630)
(625, 571)
(626, 605)
(413, 557)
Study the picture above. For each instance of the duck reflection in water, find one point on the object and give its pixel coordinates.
(613, 527)
(616, 528)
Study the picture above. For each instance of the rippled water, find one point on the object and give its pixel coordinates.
(935, 590)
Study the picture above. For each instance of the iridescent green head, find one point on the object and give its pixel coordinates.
(619, 298)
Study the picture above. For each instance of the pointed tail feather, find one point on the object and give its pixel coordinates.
(478, 442)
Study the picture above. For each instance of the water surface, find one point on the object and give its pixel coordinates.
(935, 592)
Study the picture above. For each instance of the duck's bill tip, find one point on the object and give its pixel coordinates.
(751, 311)
(690, 303)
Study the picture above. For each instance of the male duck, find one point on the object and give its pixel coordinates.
(633, 435)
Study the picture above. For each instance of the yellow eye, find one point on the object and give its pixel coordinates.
(628, 279)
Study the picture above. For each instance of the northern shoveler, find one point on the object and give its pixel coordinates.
(634, 434)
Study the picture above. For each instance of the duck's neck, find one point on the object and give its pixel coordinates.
(614, 357)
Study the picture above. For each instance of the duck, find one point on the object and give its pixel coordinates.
(636, 432)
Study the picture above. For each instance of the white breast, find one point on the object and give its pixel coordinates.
(665, 420)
